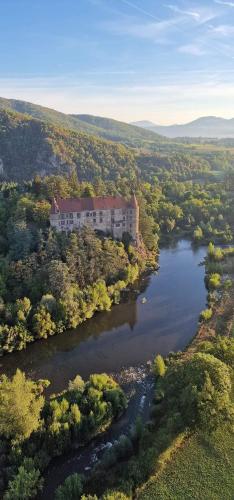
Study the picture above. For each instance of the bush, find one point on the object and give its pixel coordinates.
(159, 367)
(114, 495)
(206, 314)
(214, 281)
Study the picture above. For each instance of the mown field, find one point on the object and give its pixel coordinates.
(202, 469)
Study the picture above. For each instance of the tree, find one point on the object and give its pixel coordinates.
(42, 323)
(221, 347)
(25, 484)
(159, 366)
(59, 278)
(198, 233)
(77, 384)
(20, 406)
(199, 388)
(71, 489)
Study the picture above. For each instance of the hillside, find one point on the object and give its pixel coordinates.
(207, 126)
(103, 127)
(29, 146)
(120, 131)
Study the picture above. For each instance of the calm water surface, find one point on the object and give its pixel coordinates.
(132, 332)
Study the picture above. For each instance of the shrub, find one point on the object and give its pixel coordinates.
(159, 367)
(214, 281)
(206, 314)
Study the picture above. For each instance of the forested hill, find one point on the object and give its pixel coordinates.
(30, 146)
(120, 131)
(102, 127)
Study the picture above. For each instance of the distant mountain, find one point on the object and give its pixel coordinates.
(207, 126)
(102, 127)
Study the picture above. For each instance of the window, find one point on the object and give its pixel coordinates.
(71, 216)
(94, 221)
(78, 215)
(112, 220)
(123, 224)
(62, 222)
(62, 216)
(112, 212)
(94, 214)
(71, 221)
(87, 214)
(124, 218)
(101, 220)
(117, 225)
(130, 226)
(100, 213)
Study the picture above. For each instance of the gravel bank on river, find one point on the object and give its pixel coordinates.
(138, 384)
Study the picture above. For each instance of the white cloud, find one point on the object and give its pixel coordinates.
(192, 49)
(153, 30)
(201, 15)
(224, 2)
(190, 13)
(223, 30)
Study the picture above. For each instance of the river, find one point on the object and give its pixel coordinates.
(132, 332)
(158, 316)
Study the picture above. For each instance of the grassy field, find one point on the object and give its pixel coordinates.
(202, 469)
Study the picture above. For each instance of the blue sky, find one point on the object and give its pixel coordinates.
(162, 60)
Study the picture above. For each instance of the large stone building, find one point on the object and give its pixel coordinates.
(112, 215)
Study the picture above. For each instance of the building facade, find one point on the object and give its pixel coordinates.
(112, 215)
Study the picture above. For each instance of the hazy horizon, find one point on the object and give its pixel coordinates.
(167, 63)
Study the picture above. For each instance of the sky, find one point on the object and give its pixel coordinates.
(167, 61)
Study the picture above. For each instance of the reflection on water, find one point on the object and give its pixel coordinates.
(132, 332)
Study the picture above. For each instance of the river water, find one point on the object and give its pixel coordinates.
(132, 332)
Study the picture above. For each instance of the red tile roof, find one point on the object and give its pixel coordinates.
(90, 204)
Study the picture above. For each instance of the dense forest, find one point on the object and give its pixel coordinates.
(102, 127)
(51, 282)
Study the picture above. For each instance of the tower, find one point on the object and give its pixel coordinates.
(135, 220)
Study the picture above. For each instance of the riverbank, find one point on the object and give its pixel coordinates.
(132, 332)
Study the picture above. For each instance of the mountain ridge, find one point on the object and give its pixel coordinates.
(204, 126)
(105, 128)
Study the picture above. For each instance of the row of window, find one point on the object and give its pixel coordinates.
(118, 224)
(89, 214)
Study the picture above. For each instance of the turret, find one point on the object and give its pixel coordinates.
(135, 221)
